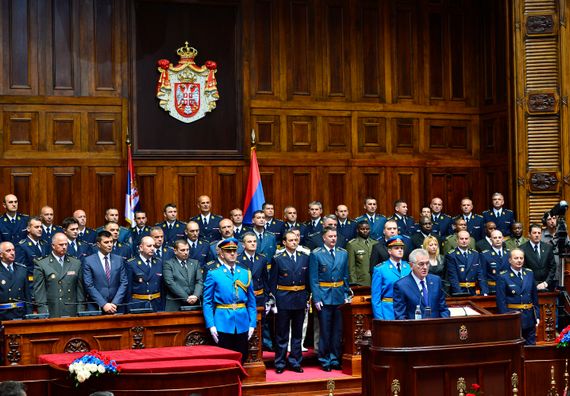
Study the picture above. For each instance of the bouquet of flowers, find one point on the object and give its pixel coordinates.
(474, 390)
(563, 338)
(92, 364)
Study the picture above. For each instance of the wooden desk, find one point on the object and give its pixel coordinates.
(25, 340)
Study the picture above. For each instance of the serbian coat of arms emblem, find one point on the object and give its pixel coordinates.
(187, 91)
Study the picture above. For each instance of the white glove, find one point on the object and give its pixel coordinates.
(537, 322)
(214, 333)
(319, 305)
(274, 309)
(250, 332)
(267, 308)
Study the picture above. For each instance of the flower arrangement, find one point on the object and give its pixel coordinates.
(92, 364)
(563, 338)
(474, 390)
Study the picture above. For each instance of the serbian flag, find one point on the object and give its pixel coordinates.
(254, 197)
(132, 196)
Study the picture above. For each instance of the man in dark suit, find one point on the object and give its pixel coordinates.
(516, 292)
(85, 234)
(273, 225)
(198, 248)
(207, 221)
(173, 228)
(419, 288)
(464, 268)
(13, 225)
(182, 278)
(49, 229)
(15, 292)
(105, 278)
(539, 257)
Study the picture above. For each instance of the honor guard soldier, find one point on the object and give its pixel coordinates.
(494, 260)
(32, 247)
(464, 269)
(502, 217)
(198, 249)
(400, 216)
(13, 225)
(229, 302)
(328, 269)
(172, 228)
(182, 278)
(85, 234)
(207, 221)
(15, 293)
(112, 215)
(442, 223)
(139, 231)
(289, 283)
(475, 222)
(49, 229)
(145, 278)
(58, 281)
(516, 293)
(375, 220)
(226, 228)
(359, 250)
(384, 277)
(273, 225)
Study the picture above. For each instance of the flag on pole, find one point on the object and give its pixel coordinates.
(254, 197)
(132, 195)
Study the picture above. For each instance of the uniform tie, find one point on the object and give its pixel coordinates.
(232, 270)
(465, 255)
(72, 245)
(107, 269)
(148, 263)
(518, 242)
(293, 258)
(536, 251)
(205, 220)
(13, 221)
(332, 253)
(158, 253)
(398, 267)
(183, 263)
(251, 261)
(61, 261)
(260, 236)
(424, 293)
(371, 219)
(520, 275)
(11, 268)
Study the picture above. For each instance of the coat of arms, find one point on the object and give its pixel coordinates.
(187, 91)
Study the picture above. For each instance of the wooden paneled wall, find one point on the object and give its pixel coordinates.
(391, 98)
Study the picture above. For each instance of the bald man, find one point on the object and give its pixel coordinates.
(13, 225)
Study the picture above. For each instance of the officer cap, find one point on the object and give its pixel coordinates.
(228, 244)
(396, 240)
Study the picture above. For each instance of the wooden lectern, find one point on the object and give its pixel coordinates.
(426, 357)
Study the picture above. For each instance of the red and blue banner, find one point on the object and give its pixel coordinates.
(132, 196)
(254, 197)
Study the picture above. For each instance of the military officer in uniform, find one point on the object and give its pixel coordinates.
(502, 217)
(459, 224)
(58, 281)
(266, 243)
(345, 226)
(494, 260)
(49, 229)
(119, 248)
(328, 269)
(173, 228)
(162, 251)
(315, 224)
(359, 250)
(384, 277)
(289, 283)
(112, 215)
(182, 278)
(375, 220)
(474, 221)
(145, 278)
(229, 302)
(207, 221)
(400, 216)
(516, 239)
(14, 290)
(442, 223)
(236, 216)
(198, 248)
(32, 247)
(13, 225)
(85, 234)
(290, 221)
(315, 240)
(226, 228)
(139, 231)
(516, 293)
(464, 268)
(273, 225)
(75, 247)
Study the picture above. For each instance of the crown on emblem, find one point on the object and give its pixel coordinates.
(187, 52)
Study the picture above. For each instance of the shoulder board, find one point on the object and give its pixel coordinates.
(488, 251)
(352, 240)
(528, 269)
(133, 259)
(313, 234)
(486, 211)
(301, 253)
(319, 249)
(477, 215)
(503, 272)
(445, 215)
(340, 249)
(214, 243)
(19, 265)
(22, 242)
(269, 233)
(449, 236)
(119, 244)
(262, 255)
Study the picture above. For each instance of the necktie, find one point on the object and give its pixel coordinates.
(498, 213)
(232, 270)
(11, 268)
(260, 238)
(500, 252)
(332, 253)
(293, 258)
(466, 218)
(465, 255)
(315, 224)
(536, 251)
(72, 246)
(107, 269)
(13, 221)
(251, 261)
(48, 230)
(61, 261)
(80, 235)
(517, 242)
(192, 245)
(371, 219)
(424, 293)
(205, 220)
(148, 263)
(183, 263)
(398, 267)
(158, 253)
(366, 242)
(520, 275)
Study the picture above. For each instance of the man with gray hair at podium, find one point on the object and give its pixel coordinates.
(420, 290)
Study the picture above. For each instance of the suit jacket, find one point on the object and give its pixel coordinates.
(418, 237)
(286, 272)
(359, 260)
(323, 268)
(181, 282)
(376, 227)
(511, 242)
(382, 290)
(380, 254)
(511, 290)
(59, 291)
(407, 296)
(543, 268)
(503, 222)
(173, 234)
(468, 269)
(98, 288)
(14, 288)
(211, 231)
(13, 232)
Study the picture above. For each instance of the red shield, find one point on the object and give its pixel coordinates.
(187, 98)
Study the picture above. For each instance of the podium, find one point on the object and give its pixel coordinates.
(428, 356)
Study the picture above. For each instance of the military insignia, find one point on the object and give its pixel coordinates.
(52, 276)
(70, 273)
(513, 292)
(187, 91)
(3, 282)
(462, 269)
(29, 243)
(463, 333)
(494, 271)
(177, 225)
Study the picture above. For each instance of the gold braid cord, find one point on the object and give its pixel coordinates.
(240, 284)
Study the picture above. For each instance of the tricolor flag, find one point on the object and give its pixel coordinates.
(132, 196)
(254, 197)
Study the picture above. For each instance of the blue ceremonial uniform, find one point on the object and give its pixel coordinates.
(407, 296)
(442, 224)
(136, 234)
(211, 231)
(406, 224)
(503, 222)
(199, 252)
(475, 226)
(16, 231)
(87, 235)
(463, 272)
(238, 232)
(315, 240)
(310, 228)
(492, 265)
(172, 232)
(80, 249)
(519, 295)
(329, 284)
(146, 289)
(15, 289)
(289, 283)
(382, 289)
(122, 249)
(376, 225)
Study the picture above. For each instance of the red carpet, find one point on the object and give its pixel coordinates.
(311, 373)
